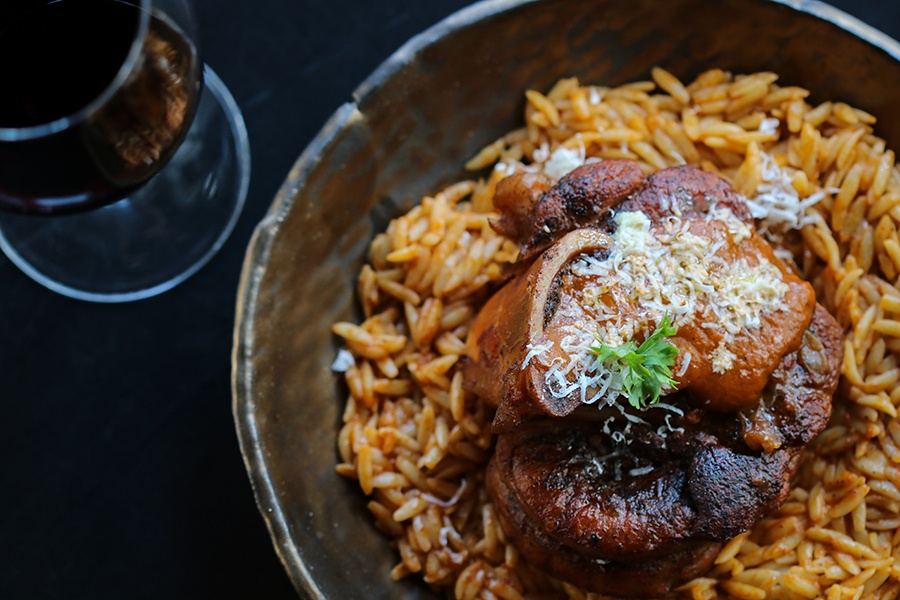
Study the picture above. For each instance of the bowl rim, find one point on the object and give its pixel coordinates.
(266, 231)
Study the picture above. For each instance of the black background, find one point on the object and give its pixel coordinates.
(121, 475)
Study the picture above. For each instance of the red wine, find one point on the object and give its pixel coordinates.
(46, 51)
(62, 59)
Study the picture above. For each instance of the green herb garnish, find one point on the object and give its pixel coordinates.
(648, 365)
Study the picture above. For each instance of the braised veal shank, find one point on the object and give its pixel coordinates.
(620, 499)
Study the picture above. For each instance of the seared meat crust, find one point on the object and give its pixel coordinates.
(535, 213)
(796, 404)
(623, 576)
(555, 487)
(687, 191)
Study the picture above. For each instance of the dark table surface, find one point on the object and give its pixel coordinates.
(121, 475)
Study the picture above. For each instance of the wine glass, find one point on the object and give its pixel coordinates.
(124, 161)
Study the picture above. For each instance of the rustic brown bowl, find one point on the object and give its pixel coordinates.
(413, 124)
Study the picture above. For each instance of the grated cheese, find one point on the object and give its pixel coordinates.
(722, 359)
(769, 125)
(534, 351)
(343, 361)
(641, 471)
(541, 153)
(651, 272)
(563, 161)
(777, 205)
(446, 503)
(685, 363)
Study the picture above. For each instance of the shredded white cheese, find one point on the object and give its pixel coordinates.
(506, 169)
(541, 153)
(769, 125)
(777, 205)
(556, 163)
(563, 161)
(535, 351)
(343, 361)
(651, 272)
(722, 359)
(685, 363)
(641, 471)
(447, 503)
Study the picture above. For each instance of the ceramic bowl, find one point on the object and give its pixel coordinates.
(414, 123)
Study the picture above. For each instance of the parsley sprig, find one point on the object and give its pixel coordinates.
(648, 365)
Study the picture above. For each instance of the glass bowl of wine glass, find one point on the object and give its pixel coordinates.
(124, 161)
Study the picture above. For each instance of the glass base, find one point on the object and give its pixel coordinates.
(161, 234)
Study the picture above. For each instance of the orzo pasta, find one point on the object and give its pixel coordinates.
(826, 191)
